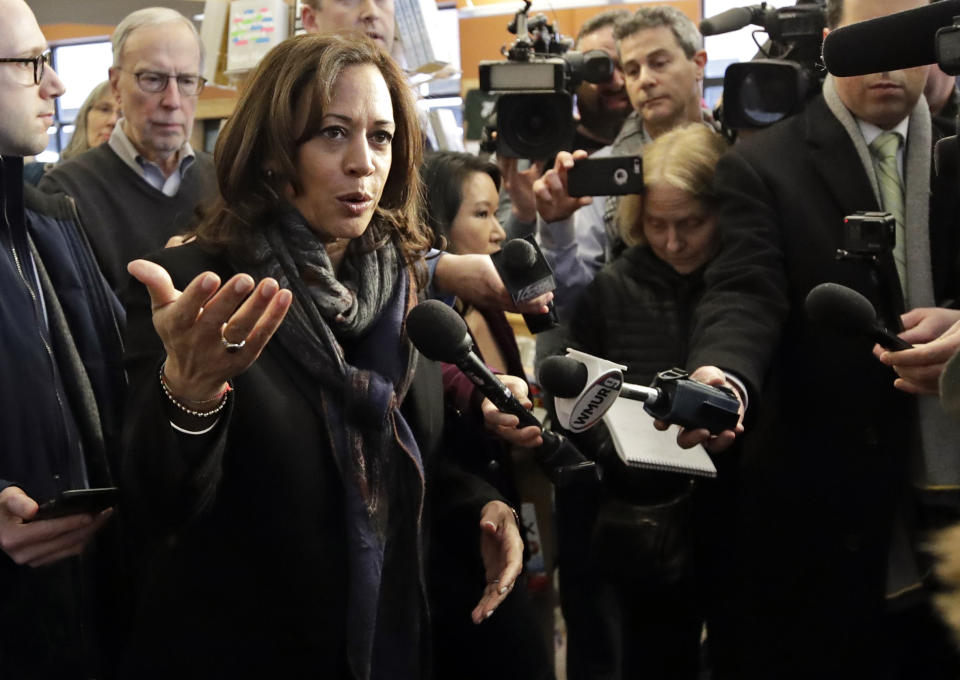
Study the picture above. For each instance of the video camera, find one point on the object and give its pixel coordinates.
(763, 91)
(534, 113)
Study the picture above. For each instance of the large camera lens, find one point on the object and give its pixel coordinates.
(766, 100)
(534, 126)
(761, 92)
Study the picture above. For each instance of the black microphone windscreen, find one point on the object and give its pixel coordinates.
(519, 256)
(841, 308)
(901, 40)
(731, 20)
(438, 332)
(563, 377)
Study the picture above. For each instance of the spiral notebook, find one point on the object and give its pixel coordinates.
(640, 444)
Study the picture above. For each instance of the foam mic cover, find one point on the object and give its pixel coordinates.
(725, 22)
(849, 312)
(901, 40)
(519, 256)
(438, 332)
(563, 377)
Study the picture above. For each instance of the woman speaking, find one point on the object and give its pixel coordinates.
(276, 492)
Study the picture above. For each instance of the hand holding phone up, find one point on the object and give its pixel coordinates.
(554, 202)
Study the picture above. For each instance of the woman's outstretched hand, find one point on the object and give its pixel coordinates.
(502, 550)
(211, 332)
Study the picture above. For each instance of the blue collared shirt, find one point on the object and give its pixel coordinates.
(148, 170)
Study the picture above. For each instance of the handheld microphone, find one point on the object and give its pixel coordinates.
(901, 40)
(586, 386)
(441, 335)
(849, 312)
(527, 274)
(731, 20)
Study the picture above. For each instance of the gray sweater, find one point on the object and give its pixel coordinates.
(124, 217)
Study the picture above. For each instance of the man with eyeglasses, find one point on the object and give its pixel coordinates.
(61, 384)
(143, 186)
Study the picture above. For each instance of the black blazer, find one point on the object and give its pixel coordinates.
(240, 533)
(825, 461)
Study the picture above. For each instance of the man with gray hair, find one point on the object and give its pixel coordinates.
(663, 62)
(144, 185)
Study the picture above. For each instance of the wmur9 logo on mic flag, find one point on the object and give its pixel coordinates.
(602, 387)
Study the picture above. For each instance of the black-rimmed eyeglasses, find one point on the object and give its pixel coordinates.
(39, 64)
(153, 82)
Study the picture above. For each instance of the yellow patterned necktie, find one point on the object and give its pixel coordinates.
(884, 149)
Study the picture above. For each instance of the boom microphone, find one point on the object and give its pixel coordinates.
(849, 312)
(441, 335)
(731, 20)
(901, 40)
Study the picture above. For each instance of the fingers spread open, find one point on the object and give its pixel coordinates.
(224, 304)
(269, 320)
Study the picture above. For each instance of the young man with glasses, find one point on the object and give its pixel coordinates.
(143, 186)
(60, 392)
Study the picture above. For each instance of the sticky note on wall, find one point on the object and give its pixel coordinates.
(254, 28)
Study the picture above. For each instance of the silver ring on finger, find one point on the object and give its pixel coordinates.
(232, 347)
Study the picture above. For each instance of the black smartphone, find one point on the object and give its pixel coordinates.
(77, 501)
(610, 176)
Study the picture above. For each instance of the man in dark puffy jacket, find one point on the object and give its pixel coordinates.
(61, 386)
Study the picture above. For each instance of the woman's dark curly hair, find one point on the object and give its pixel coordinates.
(280, 109)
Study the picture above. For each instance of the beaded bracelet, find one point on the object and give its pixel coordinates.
(222, 398)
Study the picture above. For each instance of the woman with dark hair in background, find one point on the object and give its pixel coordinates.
(278, 490)
(92, 127)
(459, 191)
(462, 194)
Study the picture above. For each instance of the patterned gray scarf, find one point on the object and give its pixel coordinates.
(362, 310)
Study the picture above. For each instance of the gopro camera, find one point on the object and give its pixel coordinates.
(869, 233)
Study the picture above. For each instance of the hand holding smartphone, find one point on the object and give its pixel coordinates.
(78, 501)
(609, 176)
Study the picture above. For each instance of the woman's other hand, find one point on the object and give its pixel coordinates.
(195, 326)
(502, 551)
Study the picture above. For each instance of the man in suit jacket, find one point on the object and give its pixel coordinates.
(821, 580)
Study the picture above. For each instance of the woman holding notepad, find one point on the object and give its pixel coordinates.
(631, 599)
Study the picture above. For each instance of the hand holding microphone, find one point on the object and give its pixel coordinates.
(441, 335)
(527, 275)
(919, 369)
(585, 387)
